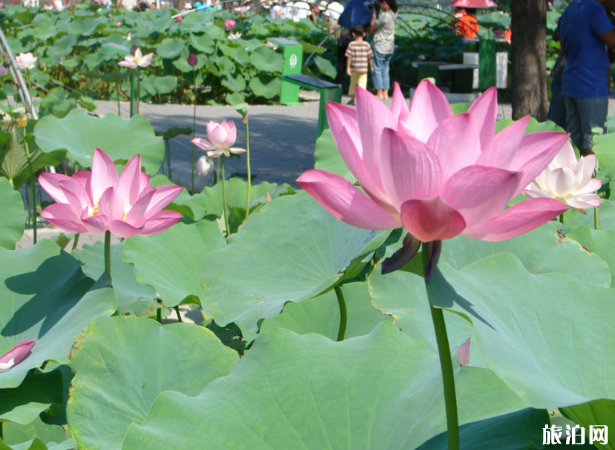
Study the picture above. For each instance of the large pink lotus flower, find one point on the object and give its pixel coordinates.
(435, 173)
(102, 200)
(229, 24)
(221, 137)
(568, 180)
(138, 60)
(16, 355)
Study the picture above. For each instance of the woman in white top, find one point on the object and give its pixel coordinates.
(383, 29)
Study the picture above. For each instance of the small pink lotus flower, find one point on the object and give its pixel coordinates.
(192, 60)
(272, 45)
(221, 137)
(102, 200)
(138, 60)
(25, 61)
(118, 23)
(179, 19)
(16, 355)
(568, 180)
(435, 173)
(229, 24)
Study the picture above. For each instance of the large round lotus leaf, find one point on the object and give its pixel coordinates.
(327, 157)
(196, 22)
(62, 46)
(170, 48)
(292, 250)
(172, 261)
(84, 27)
(159, 85)
(381, 391)
(514, 431)
(598, 412)
(533, 328)
(234, 83)
(80, 134)
(14, 434)
(540, 251)
(202, 43)
(325, 67)
(123, 363)
(606, 218)
(265, 85)
(600, 242)
(322, 314)
(236, 53)
(37, 444)
(23, 404)
(603, 146)
(13, 217)
(132, 296)
(46, 297)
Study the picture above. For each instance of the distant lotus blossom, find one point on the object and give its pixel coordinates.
(435, 173)
(179, 19)
(233, 36)
(102, 200)
(272, 45)
(221, 137)
(192, 60)
(119, 23)
(25, 61)
(204, 166)
(16, 355)
(229, 24)
(138, 60)
(3, 71)
(568, 180)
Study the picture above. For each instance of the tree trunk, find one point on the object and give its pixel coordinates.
(528, 57)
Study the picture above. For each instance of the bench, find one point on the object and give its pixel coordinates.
(329, 92)
(462, 74)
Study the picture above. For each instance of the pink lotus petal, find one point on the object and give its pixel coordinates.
(561, 181)
(136, 215)
(463, 353)
(129, 186)
(237, 150)
(501, 149)
(124, 229)
(592, 186)
(95, 224)
(409, 169)
(163, 196)
(345, 202)
(518, 219)
(110, 205)
(566, 157)
(583, 170)
(218, 134)
(62, 216)
(428, 108)
(50, 183)
(160, 222)
(485, 111)
(399, 107)
(479, 192)
(456, 144)
(17, 354)
(203, 143)
(76, 197)
(104, 174)
(585, 201)
(431, 219)
(215, 153)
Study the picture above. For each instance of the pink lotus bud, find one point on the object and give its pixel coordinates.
(16, 355)
(192, 60)
(3, 71)
(179, 19)
(119, 23)
(229, 24)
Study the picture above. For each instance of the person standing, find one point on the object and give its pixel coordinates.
(467, 25)
(360, 57)
(584, 29)
(383, 29)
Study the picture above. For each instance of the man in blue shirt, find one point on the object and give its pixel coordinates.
(584, 31)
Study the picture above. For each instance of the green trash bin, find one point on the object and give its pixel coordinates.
(486, 64)
(293, 61)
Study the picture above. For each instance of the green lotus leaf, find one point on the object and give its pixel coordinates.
(532, 328)
(80, 134)
(170, 48)
(202, 43)
(13, 217)
(132, 296)
(182, 65)
(172, 261)
(46, 298)
(123, 363)
(84, 27)
(49, 437)
(265, 85)
(327, 157)
(297, 259)
(62, 46)
(234, 98)
(598, 412)
(265, 59)
(606, 218)
(235, 53)
(599, 242)
(234, 83)
(325, 67)
(289, 391)
(196, 22)
(602, 146)
(159, 85)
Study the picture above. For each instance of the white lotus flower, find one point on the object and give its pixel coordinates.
(568, 180)
(25, 61)
(233, 36)
(204, 166)
(138, 60)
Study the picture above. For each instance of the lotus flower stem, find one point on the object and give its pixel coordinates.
(193, 131)
(596, 218)
(228, 229)
(343, 313)
(108, 252)
(159, 312)
(561, 218)
(76, 241)
(446, 365)
(245, 120)
(179, 316)
(32, 190)
(119, 112)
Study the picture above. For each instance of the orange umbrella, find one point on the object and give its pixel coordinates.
(474, 4)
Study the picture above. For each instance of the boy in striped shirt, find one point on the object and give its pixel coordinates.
(359, 56)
